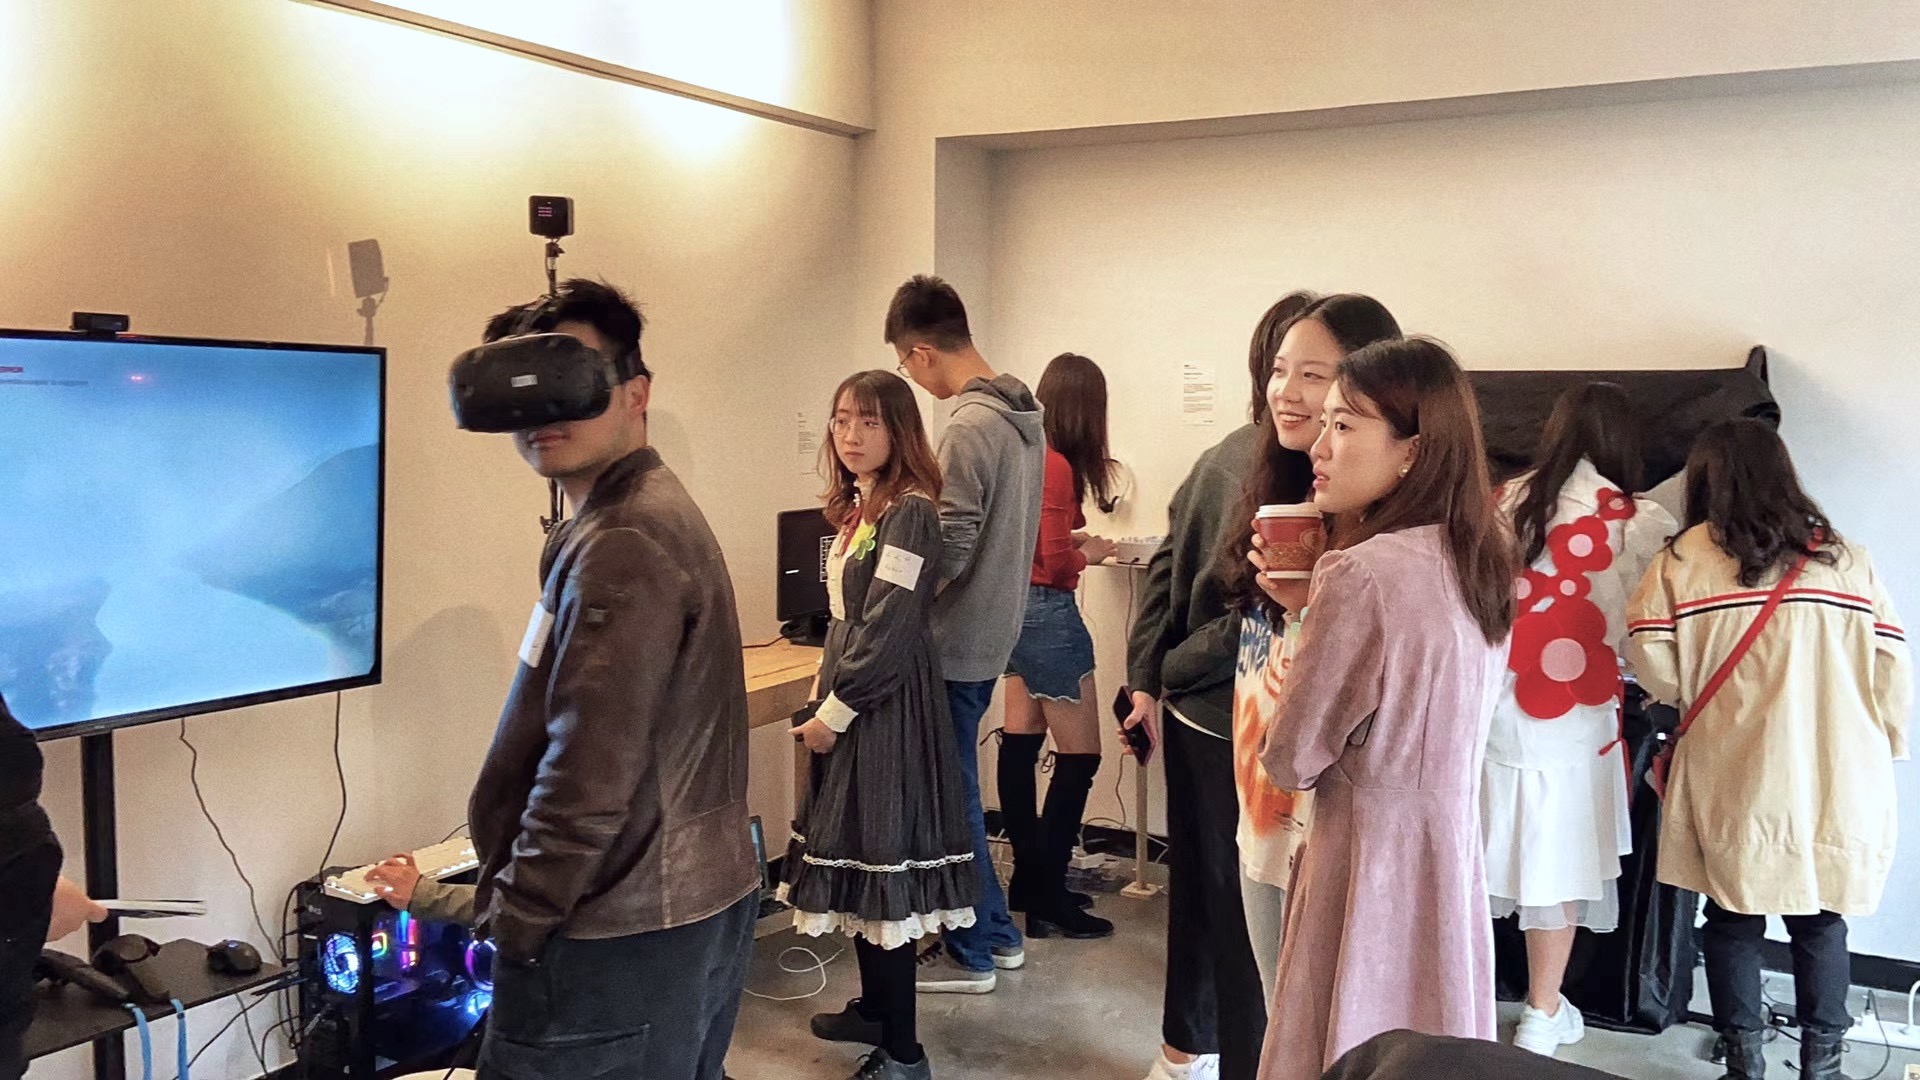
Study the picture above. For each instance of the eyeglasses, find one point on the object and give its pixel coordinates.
(901, 367)
(841, 425)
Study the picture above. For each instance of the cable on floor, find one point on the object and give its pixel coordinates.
(819, 966)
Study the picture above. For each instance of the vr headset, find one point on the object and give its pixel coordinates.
(532, 380)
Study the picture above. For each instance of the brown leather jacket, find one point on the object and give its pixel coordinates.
(613, 800)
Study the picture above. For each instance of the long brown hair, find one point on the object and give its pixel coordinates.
(1741, 484)
(911, 466)
(1268, 333)
(1417, 387)
(1073, 391)
(1280, 475)
(1594, 422)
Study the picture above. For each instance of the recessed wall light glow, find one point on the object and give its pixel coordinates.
(23, 94)
(692, 127)
(742, 47)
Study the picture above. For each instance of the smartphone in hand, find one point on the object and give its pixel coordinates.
(1139, 739)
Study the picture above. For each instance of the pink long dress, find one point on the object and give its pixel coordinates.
(1385, 717)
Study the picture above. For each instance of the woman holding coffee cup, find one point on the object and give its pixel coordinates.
(1286, 536)
(1402, 655)
(1050, 675)
(1553, 802)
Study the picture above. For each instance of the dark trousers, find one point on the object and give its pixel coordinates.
(1821, 970)
(26, 907)
(1214, 1001)
(657, 1006)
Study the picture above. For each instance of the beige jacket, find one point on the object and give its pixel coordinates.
(1781, 800)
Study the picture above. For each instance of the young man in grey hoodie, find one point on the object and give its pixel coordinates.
(992, 461)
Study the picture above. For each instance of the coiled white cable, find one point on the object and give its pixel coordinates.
(818, 965)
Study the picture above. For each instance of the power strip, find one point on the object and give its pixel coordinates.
(1913, 1072)
(1867, 1031)
(1872, 1028)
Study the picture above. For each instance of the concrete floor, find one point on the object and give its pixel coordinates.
(1091, 1011)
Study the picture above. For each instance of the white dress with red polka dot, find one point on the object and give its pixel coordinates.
(1554, 796)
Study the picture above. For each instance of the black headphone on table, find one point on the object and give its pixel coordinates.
(128, 960)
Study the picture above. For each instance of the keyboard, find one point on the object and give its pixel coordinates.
(442, 860)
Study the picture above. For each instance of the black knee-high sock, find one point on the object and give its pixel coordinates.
(1020, 810)
(1066, 804)
(868, 1008)
(887, 983)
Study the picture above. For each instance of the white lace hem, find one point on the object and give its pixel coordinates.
(890, 934)
(881, 868)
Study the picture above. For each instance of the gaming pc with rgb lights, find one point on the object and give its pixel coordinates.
(383, 990)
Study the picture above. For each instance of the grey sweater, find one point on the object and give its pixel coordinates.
(1185, 640)
(992, 461)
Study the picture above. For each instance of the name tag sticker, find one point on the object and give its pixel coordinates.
(901, 567)
(533, 648)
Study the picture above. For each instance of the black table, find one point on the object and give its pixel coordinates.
(69, 1016)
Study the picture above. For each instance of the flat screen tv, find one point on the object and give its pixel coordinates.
(186, 525)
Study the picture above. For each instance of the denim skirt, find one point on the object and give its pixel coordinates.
(1054, 651)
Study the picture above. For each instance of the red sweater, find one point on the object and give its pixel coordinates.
(1057, 561)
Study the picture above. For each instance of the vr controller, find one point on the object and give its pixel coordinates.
(57, 967)
(531, 380)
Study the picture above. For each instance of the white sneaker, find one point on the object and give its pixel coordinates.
(1203, 1067)
(1009, 958)
(1545, 1035)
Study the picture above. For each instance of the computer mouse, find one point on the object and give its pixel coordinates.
(232, 957)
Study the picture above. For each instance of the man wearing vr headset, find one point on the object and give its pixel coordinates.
(617, 876)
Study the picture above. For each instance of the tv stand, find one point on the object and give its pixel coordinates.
(99, 827)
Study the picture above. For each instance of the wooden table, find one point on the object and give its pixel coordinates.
(779, 681)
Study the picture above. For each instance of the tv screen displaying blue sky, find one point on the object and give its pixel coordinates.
(183, 524)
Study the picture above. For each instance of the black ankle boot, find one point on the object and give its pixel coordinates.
(1054, 911)
(1020, 814)
(1820, 1054)
(1746, 1055)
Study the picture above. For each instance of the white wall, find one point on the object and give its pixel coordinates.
(201, 164)
(1639, 236)
(809, 55)
(970, 67)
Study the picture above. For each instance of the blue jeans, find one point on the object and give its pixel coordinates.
(992, 928)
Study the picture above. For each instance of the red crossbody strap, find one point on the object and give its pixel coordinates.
(1760, 621)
